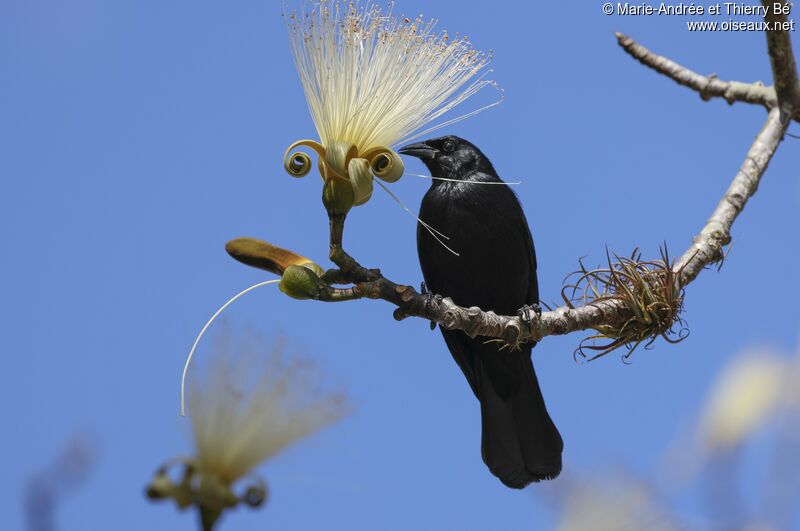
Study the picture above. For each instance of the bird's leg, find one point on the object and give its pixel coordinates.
(524, 313)
(429, 297)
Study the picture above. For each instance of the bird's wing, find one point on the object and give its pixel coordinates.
(533, 285)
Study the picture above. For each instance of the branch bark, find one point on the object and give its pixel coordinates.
(707, 246)
(708, 86)
(784, 67)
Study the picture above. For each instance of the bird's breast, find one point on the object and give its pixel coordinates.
(491, 269)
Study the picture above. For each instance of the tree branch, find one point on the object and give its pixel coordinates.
(708, 86)
(707, 246)
(784, 68)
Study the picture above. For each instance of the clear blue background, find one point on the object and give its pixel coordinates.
(137, 137)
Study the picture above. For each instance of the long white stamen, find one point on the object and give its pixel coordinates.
(374, 80)
(203, 331)
(433, 232)
(457, 119)
(461, 181)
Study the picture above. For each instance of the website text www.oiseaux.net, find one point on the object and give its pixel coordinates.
(738, 25)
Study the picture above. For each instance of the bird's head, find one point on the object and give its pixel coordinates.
(449, 156)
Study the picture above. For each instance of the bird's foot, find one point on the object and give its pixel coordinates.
(524, 313)
(429, 298)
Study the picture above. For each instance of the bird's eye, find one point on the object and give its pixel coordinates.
(449, 146)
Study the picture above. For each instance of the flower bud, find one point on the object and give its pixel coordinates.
(338, 196)
(300, 282)
(213, 493)
(266, 256)
(316, 268)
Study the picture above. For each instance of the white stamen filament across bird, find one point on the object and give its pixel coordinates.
(433, 231)
(461, 180)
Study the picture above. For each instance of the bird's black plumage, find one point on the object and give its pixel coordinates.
(495, 270)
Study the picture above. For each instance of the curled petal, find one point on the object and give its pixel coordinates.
(298, 164)
(387, 166)
(361, 177)
(255, 494)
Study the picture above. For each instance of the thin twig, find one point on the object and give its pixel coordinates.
(708, 86)
(707, 246)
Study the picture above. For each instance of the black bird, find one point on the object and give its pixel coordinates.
(496, 270)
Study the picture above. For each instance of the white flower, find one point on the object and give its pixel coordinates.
(372, 81)
(614, 502)
(247, 409)
(747, 394)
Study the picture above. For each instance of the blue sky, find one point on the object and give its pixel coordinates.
(139, 136)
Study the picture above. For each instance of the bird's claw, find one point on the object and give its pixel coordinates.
(429, 298)
(524, 313)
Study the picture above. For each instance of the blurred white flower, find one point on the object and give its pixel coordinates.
(615, 502)
(244, 409)
(747, 393)
(248, 407)
(792, 391)
(752, 389)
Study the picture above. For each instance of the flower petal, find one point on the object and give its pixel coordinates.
(338, 155)
(387, 166)
(361, 177)
(298, 164)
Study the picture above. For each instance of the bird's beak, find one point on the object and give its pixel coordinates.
(421, 150)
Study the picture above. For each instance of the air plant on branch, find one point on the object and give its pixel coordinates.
(373, 81)
(650, 290)
(245, 409)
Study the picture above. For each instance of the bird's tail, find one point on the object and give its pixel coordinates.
(519, 442)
